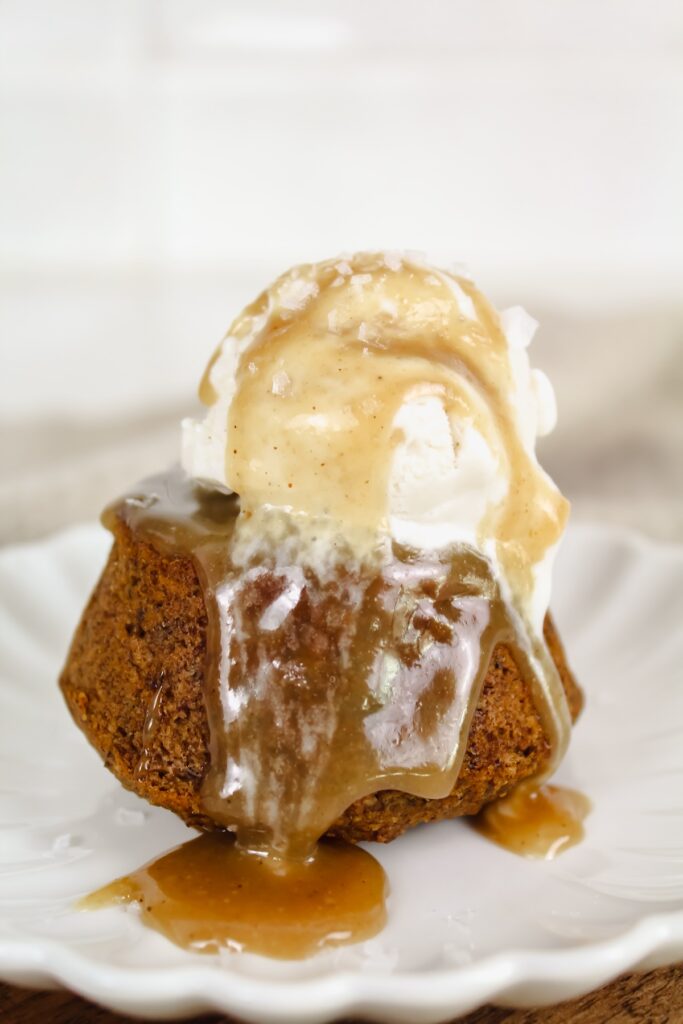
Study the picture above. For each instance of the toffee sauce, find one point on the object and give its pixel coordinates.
(209, 895)
(320, 688)
(535, 821)
(338, 662)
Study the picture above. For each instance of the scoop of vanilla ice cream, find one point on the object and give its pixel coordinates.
(442, 480)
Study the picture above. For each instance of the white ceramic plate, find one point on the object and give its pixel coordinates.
(468, 922)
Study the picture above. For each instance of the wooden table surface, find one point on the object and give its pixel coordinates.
(654, 998)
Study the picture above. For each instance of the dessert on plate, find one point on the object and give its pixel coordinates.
(332, 618)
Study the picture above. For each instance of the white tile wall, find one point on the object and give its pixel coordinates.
(161, 159)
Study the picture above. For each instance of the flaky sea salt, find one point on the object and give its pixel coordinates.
(295, 292)
(465, 303)
(282, 385)
(393, 261)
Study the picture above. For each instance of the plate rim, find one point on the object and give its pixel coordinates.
(434, 995)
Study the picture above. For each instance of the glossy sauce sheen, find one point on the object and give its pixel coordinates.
(208, 895)
(535, 821)
(321, 691)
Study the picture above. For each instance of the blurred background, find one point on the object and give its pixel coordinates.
(161, 160)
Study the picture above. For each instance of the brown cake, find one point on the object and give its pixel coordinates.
(134, 682)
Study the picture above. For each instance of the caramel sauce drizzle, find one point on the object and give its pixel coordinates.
(323, 689)
(331, 678)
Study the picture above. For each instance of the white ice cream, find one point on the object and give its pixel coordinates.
(440, 484)
(444, 477)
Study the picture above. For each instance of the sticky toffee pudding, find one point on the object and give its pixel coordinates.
(333, 619)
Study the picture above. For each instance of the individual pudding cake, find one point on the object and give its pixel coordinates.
(332, 618)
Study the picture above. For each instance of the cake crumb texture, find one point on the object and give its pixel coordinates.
(134, 681)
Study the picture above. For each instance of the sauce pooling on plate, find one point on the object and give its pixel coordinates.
(209, 895)
(535, 821)
(340, 661)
